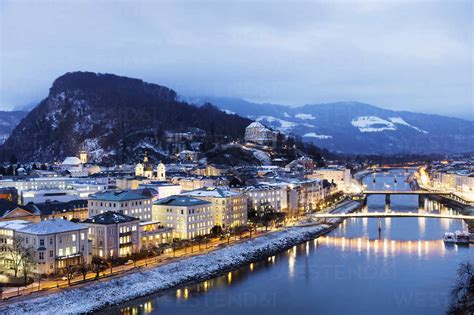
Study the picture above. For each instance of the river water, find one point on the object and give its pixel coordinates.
(403, 269)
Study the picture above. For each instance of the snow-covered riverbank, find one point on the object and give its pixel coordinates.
(102, 294)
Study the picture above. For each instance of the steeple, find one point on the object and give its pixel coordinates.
(83, 154)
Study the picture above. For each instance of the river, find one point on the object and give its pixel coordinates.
(403, 269)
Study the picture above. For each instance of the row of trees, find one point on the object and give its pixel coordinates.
(265, 215)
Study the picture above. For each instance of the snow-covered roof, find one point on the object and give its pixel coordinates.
(51, 227)
(212, 192)
(181, 201)
(120, 195)
(14, 224)
(256, 124)
(71, 160)
(110, 217)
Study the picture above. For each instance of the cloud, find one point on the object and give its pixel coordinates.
(405, 54)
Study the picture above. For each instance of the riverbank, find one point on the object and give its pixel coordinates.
(99, 295)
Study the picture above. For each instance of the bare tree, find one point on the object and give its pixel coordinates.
(12, 252)
(83, 268)
(28, 261)
(463, 292)
(69, 272)
(97, 265)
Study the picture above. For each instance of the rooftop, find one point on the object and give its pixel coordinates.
(181, 201)
(52, 226)
(14, 224)
(110, 217)
(7, 206)
(119, 195)
(53, 207)
(212, 192)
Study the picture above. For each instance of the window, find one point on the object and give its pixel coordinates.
(41, 255)
(83, 236)
(42, 242)
(60, 239)
(50, 253)
(74, 237)
(60, 252)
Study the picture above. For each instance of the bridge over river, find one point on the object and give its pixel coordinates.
(392, 215)
(420, 193)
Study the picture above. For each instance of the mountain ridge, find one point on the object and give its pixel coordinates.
(116, 118)
(359, 128)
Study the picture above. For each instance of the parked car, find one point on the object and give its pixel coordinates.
(129, 262)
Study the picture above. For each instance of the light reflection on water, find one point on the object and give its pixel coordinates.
(406, 265)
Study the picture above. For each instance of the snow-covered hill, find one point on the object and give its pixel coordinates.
(353, 127)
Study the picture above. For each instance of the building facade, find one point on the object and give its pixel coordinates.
(113, 234)
(258, 133)
(127, 202)
(229, 207)
(57, 243)
(187, 216)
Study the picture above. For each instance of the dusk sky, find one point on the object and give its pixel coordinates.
(410, 55)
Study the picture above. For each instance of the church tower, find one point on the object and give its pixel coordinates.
(161, 172)
(83, 155)
(147, 167)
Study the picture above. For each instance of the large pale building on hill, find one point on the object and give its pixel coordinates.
(258, 133)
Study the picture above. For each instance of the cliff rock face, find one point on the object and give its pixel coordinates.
(115, 118)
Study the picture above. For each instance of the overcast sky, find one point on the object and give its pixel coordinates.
(413, 55)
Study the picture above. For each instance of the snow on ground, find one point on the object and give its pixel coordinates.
(304, 116)
(118, 290)
(263, 157)
(284, 124)
(377, 124)
(401, 121)
(372, 124)
(281, 124)
(228, 112)
(314, 135)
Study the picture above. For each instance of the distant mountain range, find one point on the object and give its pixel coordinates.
(8, 121)
(358, 128)
(115, 118)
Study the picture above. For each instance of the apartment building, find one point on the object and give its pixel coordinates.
(186, 215)
(128, 202)
(229, 207)
(113, 234)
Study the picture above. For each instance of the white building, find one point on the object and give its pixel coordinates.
(340, 176)
(163, 188)
(46, 195)
(187, 216)
(126, 202)
(145, 169)
(57, 243)
(38, 183)
(263, 195)
(258, 133)
(229, 207)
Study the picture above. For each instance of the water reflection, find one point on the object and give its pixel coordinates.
(352, 258)
(393, 247)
